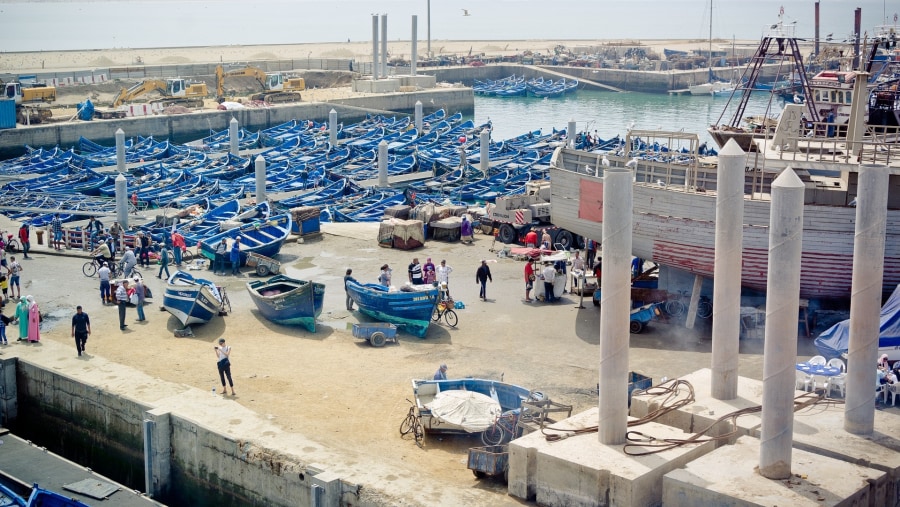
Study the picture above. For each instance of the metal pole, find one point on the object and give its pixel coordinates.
(615, 305)
(726, 324)
(780, 349)
(865, 300)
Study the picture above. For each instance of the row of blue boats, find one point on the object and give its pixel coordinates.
(518, 86)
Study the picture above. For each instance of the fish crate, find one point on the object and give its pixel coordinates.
(538, 413)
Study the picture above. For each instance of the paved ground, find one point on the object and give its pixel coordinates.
(331, 399)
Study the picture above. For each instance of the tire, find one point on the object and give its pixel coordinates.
(419, 434)
(187, 256)
(136, 273)
(435, 314)
(479, 474)
(451, 318)
(564, 239)
(704, 310)
(12, 246)
(635, 327)
(377, 339)
(407, 425)
(506, 234)
(493, 435)
(262, 270)
(89, 269)
(171, 258)
(674, 307)
(596, 302)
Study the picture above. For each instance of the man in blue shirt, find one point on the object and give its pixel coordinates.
(81, 328)
(56, 226)
(441, 373)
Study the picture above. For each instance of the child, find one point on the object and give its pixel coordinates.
(4, 320)
(4, 286)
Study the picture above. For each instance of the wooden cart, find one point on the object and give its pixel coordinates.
(265, 266)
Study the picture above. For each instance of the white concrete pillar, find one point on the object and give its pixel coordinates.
(726, 324)
(418, 117)
(415, 36)
(383, 164)
(428, 14)
(375, 67)
(384, 62)
(120, 151)
(485, 146)
(332, 128)
(615, 305)
(782, 307)
(260, 166)
(233, 136)
(121, 202)
(865, 300)
(571, 134)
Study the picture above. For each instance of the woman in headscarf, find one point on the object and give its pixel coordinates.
(429, 271)
(34, 321)
(22, 317)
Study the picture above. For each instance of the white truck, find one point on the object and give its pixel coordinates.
(514, 216)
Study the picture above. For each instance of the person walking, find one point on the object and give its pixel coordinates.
(481, 277)
(235, 257)
(163, 263)
(4, 321)
(34, 320)
(549, 274)
(25, 239)
(223, 363)
(178, 246)
(128, 262)
(591, 253)
(529, 280)
(221, 252)
(15, 269)
(81, 329)
(122, 301)
(384, 278)
(56, 228)
(349, 278)
(441, 373)
(22, 317)
(466, 231)
(443, 274)
(104, 273)
(139, 290)
(144, 249)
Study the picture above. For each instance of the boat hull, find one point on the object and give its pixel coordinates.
(509, 396)
(288, 301)
(190, 300)
(408, 310)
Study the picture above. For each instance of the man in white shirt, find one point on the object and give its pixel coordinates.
(103, 273)
(443, 274)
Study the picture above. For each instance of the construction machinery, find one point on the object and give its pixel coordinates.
(276, 87)
(175, 91)
(32, 102)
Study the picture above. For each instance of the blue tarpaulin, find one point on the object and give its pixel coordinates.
(836, 340)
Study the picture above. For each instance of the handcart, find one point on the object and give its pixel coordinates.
(641, 316)
(490, 460)
(265, 266)
(376, 333)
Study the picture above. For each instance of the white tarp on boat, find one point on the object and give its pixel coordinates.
(469, 410)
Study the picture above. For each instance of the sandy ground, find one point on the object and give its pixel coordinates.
(332, 399)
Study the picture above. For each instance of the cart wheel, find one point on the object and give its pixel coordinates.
(596, 302)
(377, 339)
(479, 474)
(635, 327)
(262, 270)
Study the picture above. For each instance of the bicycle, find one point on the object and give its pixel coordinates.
(412, 424)
(225, 302)
(90, 269)
(674, 306)
(445, 308)
(704, 307)
(504, 429)
(12, 244)
(187, 256)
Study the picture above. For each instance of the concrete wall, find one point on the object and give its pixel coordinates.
(192, 465)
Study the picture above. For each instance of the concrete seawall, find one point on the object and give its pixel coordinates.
(184, 127)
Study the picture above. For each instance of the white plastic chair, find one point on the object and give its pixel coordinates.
(839, 383)
(819, 382)
(817, 360)
(893, 390)
(837, 363)
(803, 381)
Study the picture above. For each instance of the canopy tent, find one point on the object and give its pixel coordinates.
(835, 341)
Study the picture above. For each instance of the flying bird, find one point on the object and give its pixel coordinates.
(466, 12)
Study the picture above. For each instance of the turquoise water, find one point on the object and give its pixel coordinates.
(610, 113)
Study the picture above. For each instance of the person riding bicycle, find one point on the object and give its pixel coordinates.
(102, 253)
(128, 262)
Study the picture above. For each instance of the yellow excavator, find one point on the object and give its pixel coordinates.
(276, 87)
(175, 91)
(32, 102)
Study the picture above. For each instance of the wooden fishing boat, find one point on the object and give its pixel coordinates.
(191, 300)
(263, 237)
(408, 310)
(288, 301)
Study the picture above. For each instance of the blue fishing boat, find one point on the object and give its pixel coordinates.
(262, 237)
(41, 497)
(410, 310)
(191, 300)
(8, 498)
(508, 396)
(288, 301)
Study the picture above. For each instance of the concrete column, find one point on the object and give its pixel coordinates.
(615, 305)
(383, 164)
(121, 203)
(375, 67)
(233, 136)
(782, 305)
(260, 164)
(418, 117)
(384, 62)
(158, 452)
(332, 128)
(571, 134)
(9, 393)
(428, 11)
(485, 145)
(865, 301)
(120, 151)
(726, 324)
(415, 37)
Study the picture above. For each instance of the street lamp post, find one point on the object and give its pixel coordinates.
(307, 60)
